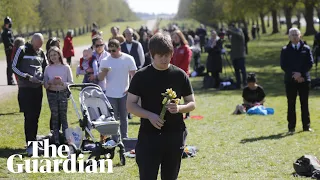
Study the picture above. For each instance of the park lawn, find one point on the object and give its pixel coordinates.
(230, 146)
(85, 39)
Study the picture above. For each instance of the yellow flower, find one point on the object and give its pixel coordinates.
(164, 100)
(174, 95)
(169, 91)
(177, 101)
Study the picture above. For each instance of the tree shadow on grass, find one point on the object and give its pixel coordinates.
(134, 123)
(270, 137)
(9, 113)
(272, 83)
(7, 152)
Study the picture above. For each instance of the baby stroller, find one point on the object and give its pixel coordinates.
(97, 113)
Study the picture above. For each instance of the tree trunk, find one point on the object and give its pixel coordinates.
(62, 32)
(309, 7)
(50, 33)
(75, 32)
(268, 21)
(288, 14)
(298, 19)
(57, 33)
(318, 13)
(243, 21)
(275, 28)
(263, 26)
(279, 18)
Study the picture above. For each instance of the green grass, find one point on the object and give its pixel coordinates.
(85, 39)
(231, 147)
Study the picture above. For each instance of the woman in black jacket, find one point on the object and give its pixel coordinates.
(214, 60)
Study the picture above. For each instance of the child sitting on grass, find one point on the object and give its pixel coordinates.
(253, 95)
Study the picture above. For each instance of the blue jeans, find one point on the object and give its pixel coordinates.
(120, 113)
(239, 65)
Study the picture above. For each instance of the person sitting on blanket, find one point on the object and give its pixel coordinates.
(253, 95)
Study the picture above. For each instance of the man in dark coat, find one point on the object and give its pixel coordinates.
(7, 38)
(296, 62)
(214, 61)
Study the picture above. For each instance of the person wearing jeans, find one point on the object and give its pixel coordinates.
(123, 68)
(57, 76)
(237, 54)
(239, 65)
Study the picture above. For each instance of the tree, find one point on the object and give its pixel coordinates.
(308, 15)
(288, 6)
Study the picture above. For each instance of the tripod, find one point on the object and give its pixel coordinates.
(225, 62)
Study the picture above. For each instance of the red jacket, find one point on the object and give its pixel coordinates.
(182, 57)
(68, 50)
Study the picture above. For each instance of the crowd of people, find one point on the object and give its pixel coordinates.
(120, 66)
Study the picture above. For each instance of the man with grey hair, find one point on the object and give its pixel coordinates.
(28, 64)
(296, 62)
(133, 48)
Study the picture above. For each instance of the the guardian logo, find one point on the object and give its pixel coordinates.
(68, 162)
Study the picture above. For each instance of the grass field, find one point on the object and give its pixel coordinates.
(85, 39)
(231, 147)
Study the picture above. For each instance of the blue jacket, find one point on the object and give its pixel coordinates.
(292, 60)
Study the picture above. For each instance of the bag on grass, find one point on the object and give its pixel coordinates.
(308, 166)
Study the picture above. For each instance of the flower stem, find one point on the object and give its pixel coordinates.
(163, 111)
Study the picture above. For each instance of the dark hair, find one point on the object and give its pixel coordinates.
(96, 38)
(114, 43)
(251, 78)
(51, 42)
(55, 49)
(160, 44)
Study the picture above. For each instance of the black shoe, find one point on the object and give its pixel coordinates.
(129, 116)
(309, 130)
(291, 131)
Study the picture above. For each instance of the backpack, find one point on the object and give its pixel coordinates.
(308, 166)
(208, 81)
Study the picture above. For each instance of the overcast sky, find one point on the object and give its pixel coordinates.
(154, 6)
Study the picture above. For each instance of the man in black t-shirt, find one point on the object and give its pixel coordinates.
(160, 142)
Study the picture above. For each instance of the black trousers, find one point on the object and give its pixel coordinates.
(165, 149)
(216, 76)
(30, 100)
(9, 67)
(292, 90)
(69, 60)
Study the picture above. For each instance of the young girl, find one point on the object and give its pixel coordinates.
(253, 95)
(57, 76)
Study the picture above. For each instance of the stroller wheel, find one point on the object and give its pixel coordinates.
(122, 158)
(111, 154)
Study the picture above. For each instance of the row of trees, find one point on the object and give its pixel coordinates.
(53, 15)
(214, 12)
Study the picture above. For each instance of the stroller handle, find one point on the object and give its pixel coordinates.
(82, 85)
